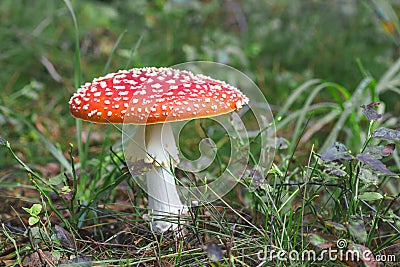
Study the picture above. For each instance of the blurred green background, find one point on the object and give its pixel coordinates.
(278, 43)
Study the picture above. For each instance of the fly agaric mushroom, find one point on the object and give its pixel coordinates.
(152, 97)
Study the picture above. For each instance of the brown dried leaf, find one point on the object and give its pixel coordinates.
(357, 228)
(41, 258)
(321, 241)
(366, 255)
(66, 239)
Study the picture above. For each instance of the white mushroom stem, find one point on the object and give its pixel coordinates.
(162, 192)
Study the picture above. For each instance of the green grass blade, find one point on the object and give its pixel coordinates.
(355, 101)
(49, 146)
(107, 66)
(78, 81)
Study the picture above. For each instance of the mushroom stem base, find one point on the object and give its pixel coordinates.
(164, 201)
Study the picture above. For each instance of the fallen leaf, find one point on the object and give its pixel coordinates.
(321, 242)
(41, 258)
(366, 255)
(357, 228)
(337, 226)
(214, 252)
(66, 239)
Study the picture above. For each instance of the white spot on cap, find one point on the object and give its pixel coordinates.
(122, 93)
(109, 113)
(103, 84)
(156, 85)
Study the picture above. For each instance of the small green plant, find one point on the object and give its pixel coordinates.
(34, 212)
(360, 182)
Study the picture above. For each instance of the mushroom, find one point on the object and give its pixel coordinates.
(152, 97)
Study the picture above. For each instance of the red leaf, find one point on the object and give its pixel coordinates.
(388, 149)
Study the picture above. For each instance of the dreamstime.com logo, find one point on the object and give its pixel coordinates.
(331, 254)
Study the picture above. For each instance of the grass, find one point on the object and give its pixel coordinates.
(89, 210)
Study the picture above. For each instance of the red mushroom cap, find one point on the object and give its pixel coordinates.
(154, 95)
